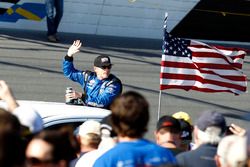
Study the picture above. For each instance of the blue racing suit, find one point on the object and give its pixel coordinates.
(99, 93)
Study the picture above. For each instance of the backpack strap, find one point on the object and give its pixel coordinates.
(86, 77)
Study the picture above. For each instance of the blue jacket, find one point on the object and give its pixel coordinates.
(137, 153)
(98, 92)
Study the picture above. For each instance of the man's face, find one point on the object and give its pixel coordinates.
(167, 134)
(38, 153)
(102, 72)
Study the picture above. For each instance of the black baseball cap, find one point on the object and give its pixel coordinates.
(186, 130)
(168, 121)
(102, 60)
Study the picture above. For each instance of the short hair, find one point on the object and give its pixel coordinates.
(93, 140)
(211, 135)
(130, 114)
(62, 142)
(237, 156)
(231, 151)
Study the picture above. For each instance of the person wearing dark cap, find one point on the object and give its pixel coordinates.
(186, 135)
(168, 134)
(208, 131)
(100, 87)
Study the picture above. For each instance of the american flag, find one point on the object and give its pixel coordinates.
(192, 65)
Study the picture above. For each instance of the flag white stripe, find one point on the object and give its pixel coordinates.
(219, 79)
(215, 50)
(177, 70)
(210, 60)
(196, 84)
(199, 60)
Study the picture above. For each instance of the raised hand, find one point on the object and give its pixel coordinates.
(74, 48)
(7, 95)
(237, 130)
(5, 91)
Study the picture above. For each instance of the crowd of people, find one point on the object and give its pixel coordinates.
(118, 140)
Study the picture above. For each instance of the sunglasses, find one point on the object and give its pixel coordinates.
(104, 67)
(35, 161)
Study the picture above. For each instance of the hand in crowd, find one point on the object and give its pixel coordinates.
(237, 130)
(4, 90)
(7, 95)
(74, 48)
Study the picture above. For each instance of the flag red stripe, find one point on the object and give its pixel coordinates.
(229, 48)
(202, 80)
(187, 88)
(200, 65)
(215, 55)
(232, 78)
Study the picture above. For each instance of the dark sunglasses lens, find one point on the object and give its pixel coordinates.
(33, 161)
(36, 161)
(108, 67)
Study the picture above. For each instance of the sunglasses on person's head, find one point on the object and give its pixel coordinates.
(108, 67)
(36, 161)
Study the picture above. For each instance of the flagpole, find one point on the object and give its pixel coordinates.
(159, 102)
(159, 106)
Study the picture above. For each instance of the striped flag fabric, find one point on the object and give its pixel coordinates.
(192, 65)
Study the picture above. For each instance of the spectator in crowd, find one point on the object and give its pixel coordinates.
(237, 156)
(109, 136)
(89, 137)
(51, 148)
(129, 118)
(99, 87)
(108, 142)
(183, 115)
(208, 131)
(28, 117)
(168, 133)
(186, 135)
(12, 147)
(54, 12)
(186, 130)
(231, 152)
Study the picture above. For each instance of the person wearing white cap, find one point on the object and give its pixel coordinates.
(89, 137)
(108, 141)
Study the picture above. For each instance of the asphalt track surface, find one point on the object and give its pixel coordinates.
(32, 67)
